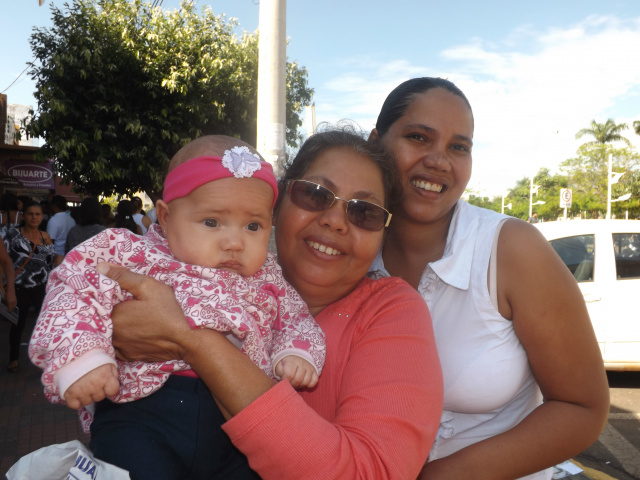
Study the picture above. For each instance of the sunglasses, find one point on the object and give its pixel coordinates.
(315, 198)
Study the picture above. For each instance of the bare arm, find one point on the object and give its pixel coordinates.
(9, 274)
(537, 291)
(379, 424)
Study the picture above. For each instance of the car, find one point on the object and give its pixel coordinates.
(604, 257)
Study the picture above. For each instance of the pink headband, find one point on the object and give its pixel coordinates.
(238, 162)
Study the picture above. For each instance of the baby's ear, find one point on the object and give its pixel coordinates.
(162, 212)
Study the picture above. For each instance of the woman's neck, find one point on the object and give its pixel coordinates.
(30, 231)
(410, 246)
(318, 298)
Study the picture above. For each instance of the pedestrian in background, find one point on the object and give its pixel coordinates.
(10, 214)
(124, 217)
(138, 215)
(89, 223)
(107, 215)
(58, 226)
(32, 252)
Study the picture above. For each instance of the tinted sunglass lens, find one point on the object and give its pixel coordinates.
(311, 196)
(366, 215)
(316, 198)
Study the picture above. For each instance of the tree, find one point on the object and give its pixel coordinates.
(587, 176)
(121, 86)
(604, 132)
(636, 127)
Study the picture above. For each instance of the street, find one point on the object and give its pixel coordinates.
(617, 451)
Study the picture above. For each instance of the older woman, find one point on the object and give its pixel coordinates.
(525, 386)
(32, 253)
(375, 411)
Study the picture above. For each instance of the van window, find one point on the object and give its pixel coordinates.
(627, 249)
(577, 254)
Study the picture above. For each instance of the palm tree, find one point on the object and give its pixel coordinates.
(604, 132)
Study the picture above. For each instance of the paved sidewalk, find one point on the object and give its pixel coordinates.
(27, 420)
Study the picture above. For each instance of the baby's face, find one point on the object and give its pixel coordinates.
(222, 224)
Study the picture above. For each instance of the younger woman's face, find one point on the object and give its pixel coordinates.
(432, 145)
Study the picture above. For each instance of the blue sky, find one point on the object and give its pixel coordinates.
(534, 72)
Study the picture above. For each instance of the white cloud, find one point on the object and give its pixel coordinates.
(530, 94)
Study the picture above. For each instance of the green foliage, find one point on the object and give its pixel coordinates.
(121, 86)
(587, 175)
(484, 202)
(604, 132)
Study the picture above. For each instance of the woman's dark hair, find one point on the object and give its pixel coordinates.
(31, 203)
(344, 137)
(397, 102)
(124, 216)
(89, 212)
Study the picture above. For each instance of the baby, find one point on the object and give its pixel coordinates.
(211, 247)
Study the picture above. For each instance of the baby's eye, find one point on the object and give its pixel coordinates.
(211, 222)
(254, 227)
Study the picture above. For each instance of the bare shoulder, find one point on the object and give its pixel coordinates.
(529, 271)
(521, 244)
(47, 237)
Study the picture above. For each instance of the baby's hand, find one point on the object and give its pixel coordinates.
(96, 385)
(300, 373)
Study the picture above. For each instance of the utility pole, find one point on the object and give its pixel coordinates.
(272, 60)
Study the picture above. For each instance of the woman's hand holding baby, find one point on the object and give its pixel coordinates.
(299, 372)
(98, 384)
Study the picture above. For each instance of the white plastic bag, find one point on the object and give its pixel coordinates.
(64, 461)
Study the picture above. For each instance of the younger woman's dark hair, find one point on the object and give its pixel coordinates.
(398, 101)
(124, 216)
(343, 137)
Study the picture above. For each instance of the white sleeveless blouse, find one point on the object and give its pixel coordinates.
(488, 384)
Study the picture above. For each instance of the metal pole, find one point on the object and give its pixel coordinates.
(609, 186)
(531, 198)
(272, 62)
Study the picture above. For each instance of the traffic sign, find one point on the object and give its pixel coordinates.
(565, 197)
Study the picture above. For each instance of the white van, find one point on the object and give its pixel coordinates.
(604, 257)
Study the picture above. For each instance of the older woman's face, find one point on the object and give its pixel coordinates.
(322, 254)
(33, 216)
(432, 145)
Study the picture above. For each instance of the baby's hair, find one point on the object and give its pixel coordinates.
(207, 145)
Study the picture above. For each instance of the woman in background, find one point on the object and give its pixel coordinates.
(124, 217)
(31, 252)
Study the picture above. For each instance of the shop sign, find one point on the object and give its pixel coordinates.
(31, 174)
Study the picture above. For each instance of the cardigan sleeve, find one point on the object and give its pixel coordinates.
(388, 407)
(73, 332)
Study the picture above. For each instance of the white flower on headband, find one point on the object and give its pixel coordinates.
(241, 162)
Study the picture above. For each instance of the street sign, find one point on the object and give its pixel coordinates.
(565, 197)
